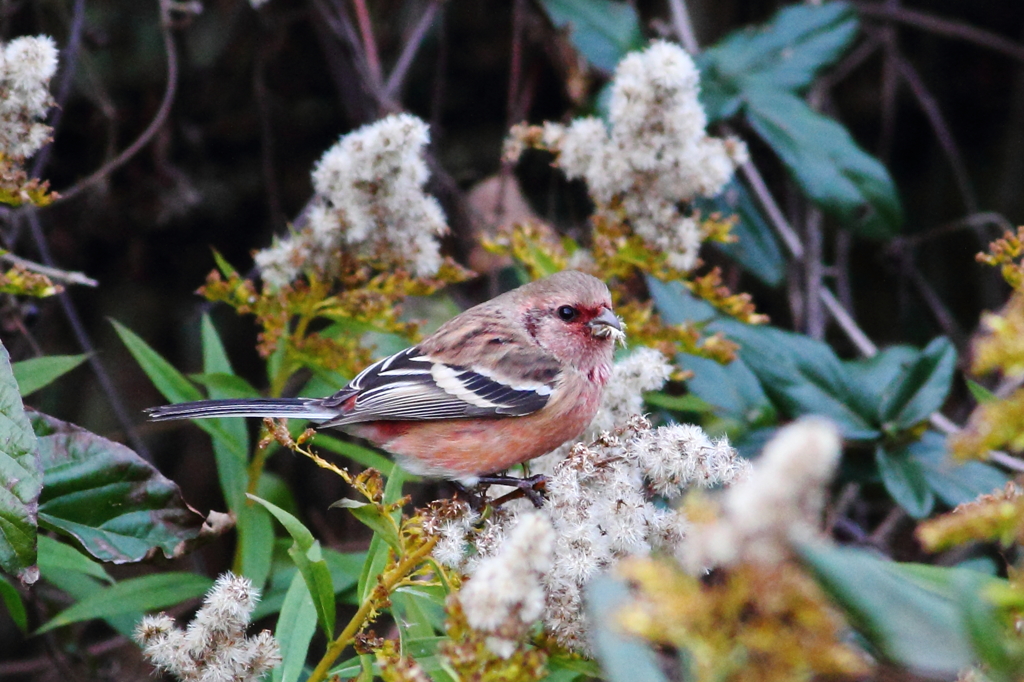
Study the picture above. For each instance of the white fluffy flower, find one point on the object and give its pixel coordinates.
(214, 648)
(369, 198)
(655, 154)
(26, 66)
(778, 504)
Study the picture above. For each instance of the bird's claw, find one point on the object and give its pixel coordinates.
(532, 488)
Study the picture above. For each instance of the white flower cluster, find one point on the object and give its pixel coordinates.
(779, 504)
(26, 66)
(369, 198)
(506, 593)
(214, 647)
(656, 154)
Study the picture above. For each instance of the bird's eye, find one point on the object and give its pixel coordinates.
(567, 313)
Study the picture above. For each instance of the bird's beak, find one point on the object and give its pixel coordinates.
(607, 324)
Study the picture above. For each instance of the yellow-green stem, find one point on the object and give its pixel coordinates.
(388, 582)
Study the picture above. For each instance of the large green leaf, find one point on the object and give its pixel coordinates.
(36, 373)
(119, 507)
(308, 557)
(623, 658)
(21, 480)
(603, 31)
(904, 479)
(827, 164)
(136, 594)
(954, 482)
(909, 616)
(787, 53)
(923, 387)
(295, 629)
(872, 381)
(756, 248)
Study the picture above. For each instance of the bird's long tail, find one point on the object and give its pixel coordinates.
(306, 408)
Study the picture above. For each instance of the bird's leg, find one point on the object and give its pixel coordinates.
(473, 498)
(532, 487)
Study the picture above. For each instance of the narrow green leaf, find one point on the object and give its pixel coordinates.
(21, 480)
(905, 481)
(173, 385)
(15, 607)
(295, 629)
(118, 506)
(55, 556)
(371, 516)
(357, 453)
(255, 543)
(36, 373)
(80, 586)
(224, 385)
(377, 555)
(135, 594)
(915, 626)
(603, 31)
(678, 403)
(830, 168)
(623, 658)
(980, 393)
(308, 557)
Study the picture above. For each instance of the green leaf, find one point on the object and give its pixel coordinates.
(924, 386)
(732, 388)
(357, 453)
(786, 53)
(872, 381)
(371, 516)
(223, 385)
(55, 556)
(603, 31)
(801, 375)
(623, 658)
(910, 622)
(36, 373)
(756, 248)
(954, 482)
(308, 557)
(79, 586)
(377, 555)
(15, 607)
(135, 594)
(295, 629)
(173, 385)
(678, 403)
(21, 480)
(118, 506)
(831, 169)
(905, 481)
(980, 393)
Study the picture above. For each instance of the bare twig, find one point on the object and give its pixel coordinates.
(944, 27)
(412, 45)
(683, 26)
(106, 384)
(933, 113)
(814, 320)
(369, 43)
(52, 273)
(158, 119)
(939, 310)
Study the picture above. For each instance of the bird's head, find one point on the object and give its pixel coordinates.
(570, 315)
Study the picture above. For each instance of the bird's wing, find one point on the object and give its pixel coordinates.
(411, 385)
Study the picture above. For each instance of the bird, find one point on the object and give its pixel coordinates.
(497, 385)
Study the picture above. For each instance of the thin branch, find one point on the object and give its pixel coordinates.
(51, 272)
(944, 27)
(397, 76)
(945, 425)
(933, 113)
(683, 26)
(106, 384)
(369, 43)
(814, 320)
(158, 119)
